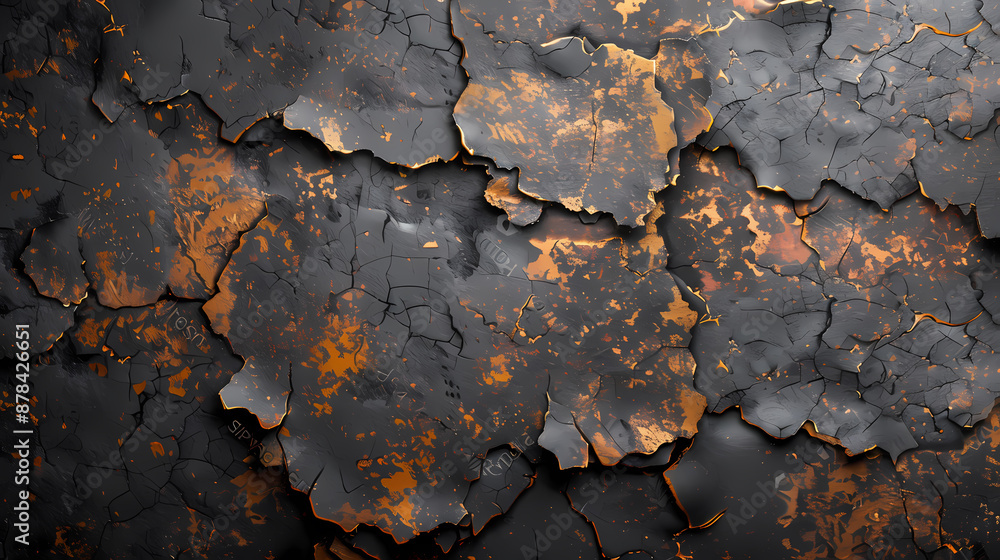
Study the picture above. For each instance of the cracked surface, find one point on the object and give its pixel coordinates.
(593, 138)
(249, 60)
(823, 312)
(490, 279)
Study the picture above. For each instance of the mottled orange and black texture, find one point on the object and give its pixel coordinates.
(468, 279)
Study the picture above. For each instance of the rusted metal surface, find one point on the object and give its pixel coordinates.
(494, 279)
